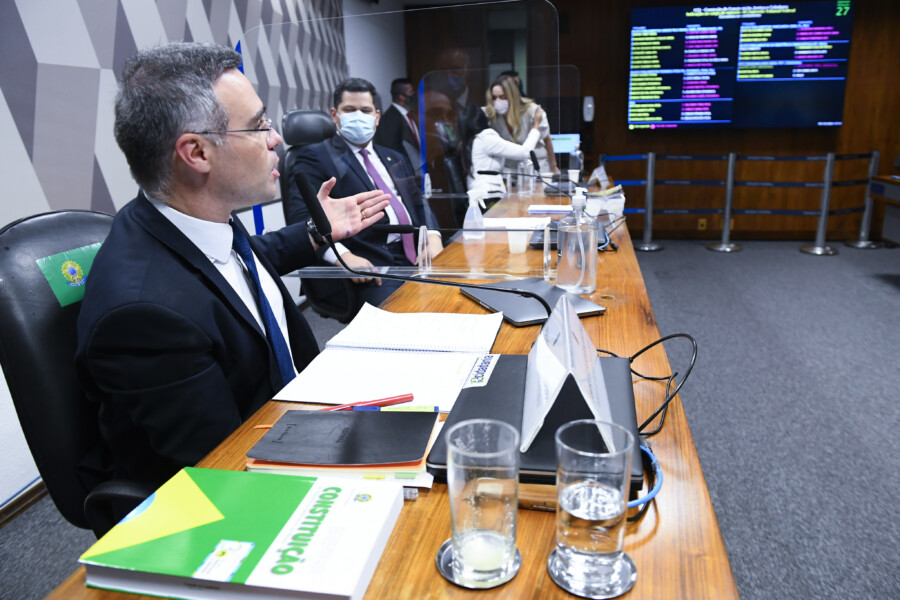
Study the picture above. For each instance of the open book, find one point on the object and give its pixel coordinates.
(382, 354)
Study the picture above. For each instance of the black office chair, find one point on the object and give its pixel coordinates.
(456, 182)
(37, 347)
(335, 298)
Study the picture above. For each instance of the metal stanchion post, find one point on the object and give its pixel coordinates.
(725, 245)
(648, 245)
(819, 248)
(866, 221)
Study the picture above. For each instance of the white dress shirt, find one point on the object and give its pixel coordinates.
(215, 240)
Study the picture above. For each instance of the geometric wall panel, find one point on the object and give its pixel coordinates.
(61, 60)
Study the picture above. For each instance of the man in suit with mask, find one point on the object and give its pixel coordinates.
(398, 128)
(358, 165)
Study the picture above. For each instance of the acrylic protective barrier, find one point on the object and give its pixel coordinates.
(296, 64)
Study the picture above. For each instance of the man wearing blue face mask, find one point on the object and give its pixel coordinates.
(358, 164)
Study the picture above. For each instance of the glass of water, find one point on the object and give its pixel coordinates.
(592, 479)
(483, 484)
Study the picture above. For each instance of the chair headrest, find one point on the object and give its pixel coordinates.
(302, 127)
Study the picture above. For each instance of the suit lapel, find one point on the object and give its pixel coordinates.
(345, 163)
(170, 236)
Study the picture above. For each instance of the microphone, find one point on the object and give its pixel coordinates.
(317, 213)
(392, 228)
(535, 162)
(506, 173)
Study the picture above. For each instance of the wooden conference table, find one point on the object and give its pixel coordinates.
(677, 546)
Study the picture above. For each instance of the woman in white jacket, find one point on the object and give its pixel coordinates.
(485, 150)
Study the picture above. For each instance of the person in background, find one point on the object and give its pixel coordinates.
(515, 76)
(485, 150)
(511, 116)
(358, 165)
(186, 329)
(398, 128)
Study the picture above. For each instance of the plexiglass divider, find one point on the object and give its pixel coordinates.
(459, 52)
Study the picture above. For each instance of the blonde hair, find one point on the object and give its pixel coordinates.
(518, 105)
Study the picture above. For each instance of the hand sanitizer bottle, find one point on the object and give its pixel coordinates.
(474, 219)
(577, 240)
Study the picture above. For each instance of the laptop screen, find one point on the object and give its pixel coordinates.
(564, 143)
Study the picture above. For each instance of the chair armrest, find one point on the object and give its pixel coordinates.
(110, 501)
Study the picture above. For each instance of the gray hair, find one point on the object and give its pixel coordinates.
(165, 92)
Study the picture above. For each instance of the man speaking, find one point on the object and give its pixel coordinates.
(186, 328)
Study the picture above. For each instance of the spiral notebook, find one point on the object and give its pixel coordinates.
(382, 354)
(379, 329)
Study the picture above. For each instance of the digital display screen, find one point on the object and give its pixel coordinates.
(762, 65)
(564, 143)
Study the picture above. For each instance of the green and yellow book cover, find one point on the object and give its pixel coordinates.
(208, 533)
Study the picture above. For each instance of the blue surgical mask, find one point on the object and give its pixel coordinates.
(357, 127)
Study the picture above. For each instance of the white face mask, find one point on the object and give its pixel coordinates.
(501, 106)
(357, 127)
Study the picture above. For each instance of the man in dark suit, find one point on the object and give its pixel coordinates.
(398, 128)
(359, 165)
(186, 328)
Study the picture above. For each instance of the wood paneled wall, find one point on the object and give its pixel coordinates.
(595, 37)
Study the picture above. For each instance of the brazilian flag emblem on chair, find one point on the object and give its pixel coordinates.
(67, 272)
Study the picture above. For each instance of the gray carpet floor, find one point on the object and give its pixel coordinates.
(793, 409)
(792, 405)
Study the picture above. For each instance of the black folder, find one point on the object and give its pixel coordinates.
(315, 437)
(503, 397)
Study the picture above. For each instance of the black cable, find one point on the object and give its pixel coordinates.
(670, 393)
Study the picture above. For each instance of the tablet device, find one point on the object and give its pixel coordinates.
(521, 310)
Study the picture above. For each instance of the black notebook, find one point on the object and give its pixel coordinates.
(313, 437)
(521, 310)
(502, 399)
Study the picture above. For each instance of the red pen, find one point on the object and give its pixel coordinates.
(380, 402)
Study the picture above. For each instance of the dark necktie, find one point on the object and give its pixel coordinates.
(412, 124)
(409, 246)
(241, 245)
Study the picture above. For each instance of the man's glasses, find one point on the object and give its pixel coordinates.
(266, 121)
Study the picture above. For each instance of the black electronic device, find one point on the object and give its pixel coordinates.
(537, 238)
(735, 65)
(503, 398)
(523, 311)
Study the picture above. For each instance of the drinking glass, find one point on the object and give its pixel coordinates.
(592, 479)
(483, 485)
(518, 241)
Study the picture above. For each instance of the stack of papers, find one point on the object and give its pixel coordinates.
(382, 354)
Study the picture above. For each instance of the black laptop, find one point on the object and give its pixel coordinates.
(503, 397)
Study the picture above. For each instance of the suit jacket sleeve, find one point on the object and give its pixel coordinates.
(288, 248)
(176, 393)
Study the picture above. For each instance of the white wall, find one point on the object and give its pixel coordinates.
(19, 470)
(375, 50)
(375, 43)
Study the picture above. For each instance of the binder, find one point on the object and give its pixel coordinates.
(503, 397)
